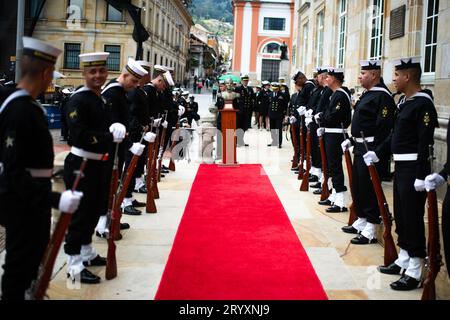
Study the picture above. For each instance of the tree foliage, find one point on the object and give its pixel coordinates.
(212, 9)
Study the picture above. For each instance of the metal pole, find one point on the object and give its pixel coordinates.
(20, 29)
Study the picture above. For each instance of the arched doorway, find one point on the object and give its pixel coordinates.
(270, 63)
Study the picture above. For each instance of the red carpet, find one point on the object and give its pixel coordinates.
(235, 242)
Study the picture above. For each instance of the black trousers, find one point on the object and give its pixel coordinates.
(334, 160)
(276, 129)
(365, 199)
(248, 115)
(446, 228)
(409, 210)
(316, 158)
(95, 187)
(27, 234)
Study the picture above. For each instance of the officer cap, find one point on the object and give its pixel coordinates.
(407, 63)
(191, 96)
(40, 50)
(160, 69)
(94, 59)
(275, 85)
(168, 78)
(370, 64)
(265, 83)
(185, 93)
(245, 78)
(135, 69)
(144, 64)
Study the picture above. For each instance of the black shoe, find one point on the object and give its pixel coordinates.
(279, 147)
(163, 176)
(142, 189)
(336, 209)
(295, 169)
(104, 235)
(87, 277)
(325, 203)
(296, 172)
(361, 240)
(391, 269)
(314, 179)
(318, 192)
(164, 167)
(271, 145)
(96, 262)
(124, 226)
(246, 145)
(138, 204)
(164, 171)
(318, 185)
(350, 229)
(132, 211)
(405, 283)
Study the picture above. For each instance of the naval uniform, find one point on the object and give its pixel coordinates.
(244, 115)
(262, 104)
(374, 115)
(302, 100)
(412, 135)
(277, 112)
(316, 160)
(192, 112)
(338, 112)
(26, 165)
(89, 119)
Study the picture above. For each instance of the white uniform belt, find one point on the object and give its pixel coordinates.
(405, 157)
(89, 155)
(368, 139)
(334, 130)
(40, 173)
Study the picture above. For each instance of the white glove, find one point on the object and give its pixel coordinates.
(137, 148)
(308, 121)
(419, 185)
(150, 137)
(157, 122)
(370, 158)
(292, 120)
(309, 113)
(320, 132)
(164, 124)
(346, 145)
(69, 201)
(181, 110)
(301, 111)
(118, 130)
(433, 181)
(318, 116)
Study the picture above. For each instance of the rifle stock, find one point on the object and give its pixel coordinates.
(294, 143)
(150, 204)
(305, 181)
(174, 143)
(154, 176)
(325, 191)
(348, 161)
(39, 288)
(301, 170)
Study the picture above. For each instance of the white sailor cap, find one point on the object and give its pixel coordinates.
(40, 50)
(135, 69)
(407, 63)
(168, 78)
(370, 64)
(265, 83)
(175, 92)
(297, 74)
(185, 93)
(94, 59)
(144, 64)
(191, 96)
(66, 91)
(335, 71)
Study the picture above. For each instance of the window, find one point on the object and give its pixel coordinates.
(71, 52)
(277, 24)
(431, 36)
(32, 8)
(112, 14)
(342, 33)
(272, 48)
(157, 31)
(319, 43)
(113, 61)
(163, 29)
(148, 56)
(161, 61)
(305, 44)
(376, 36)
(80, 8)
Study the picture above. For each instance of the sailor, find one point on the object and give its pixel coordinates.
(412, 135)
(277, 112)
(374, 116)
(26, 167)
(246, 102)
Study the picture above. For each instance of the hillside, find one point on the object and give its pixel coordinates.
(212, 9)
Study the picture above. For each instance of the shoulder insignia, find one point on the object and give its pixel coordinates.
(94, 140)
(427, 119)
(9, 142)
(385, 112)
(73, 114)
(338, 107)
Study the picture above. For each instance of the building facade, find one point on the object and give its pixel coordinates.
(80, 26)
(260, 28)
(340, 33)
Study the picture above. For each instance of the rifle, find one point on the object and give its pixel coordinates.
(325, 191)
(390, 252)
(434, 248)
(348, 161)
(39, 287)
(151, 205)
(301, 170)
(161, 149)
(111, 262)
(174, 143)
(294, 143)
(305, 182)
(153, 174)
